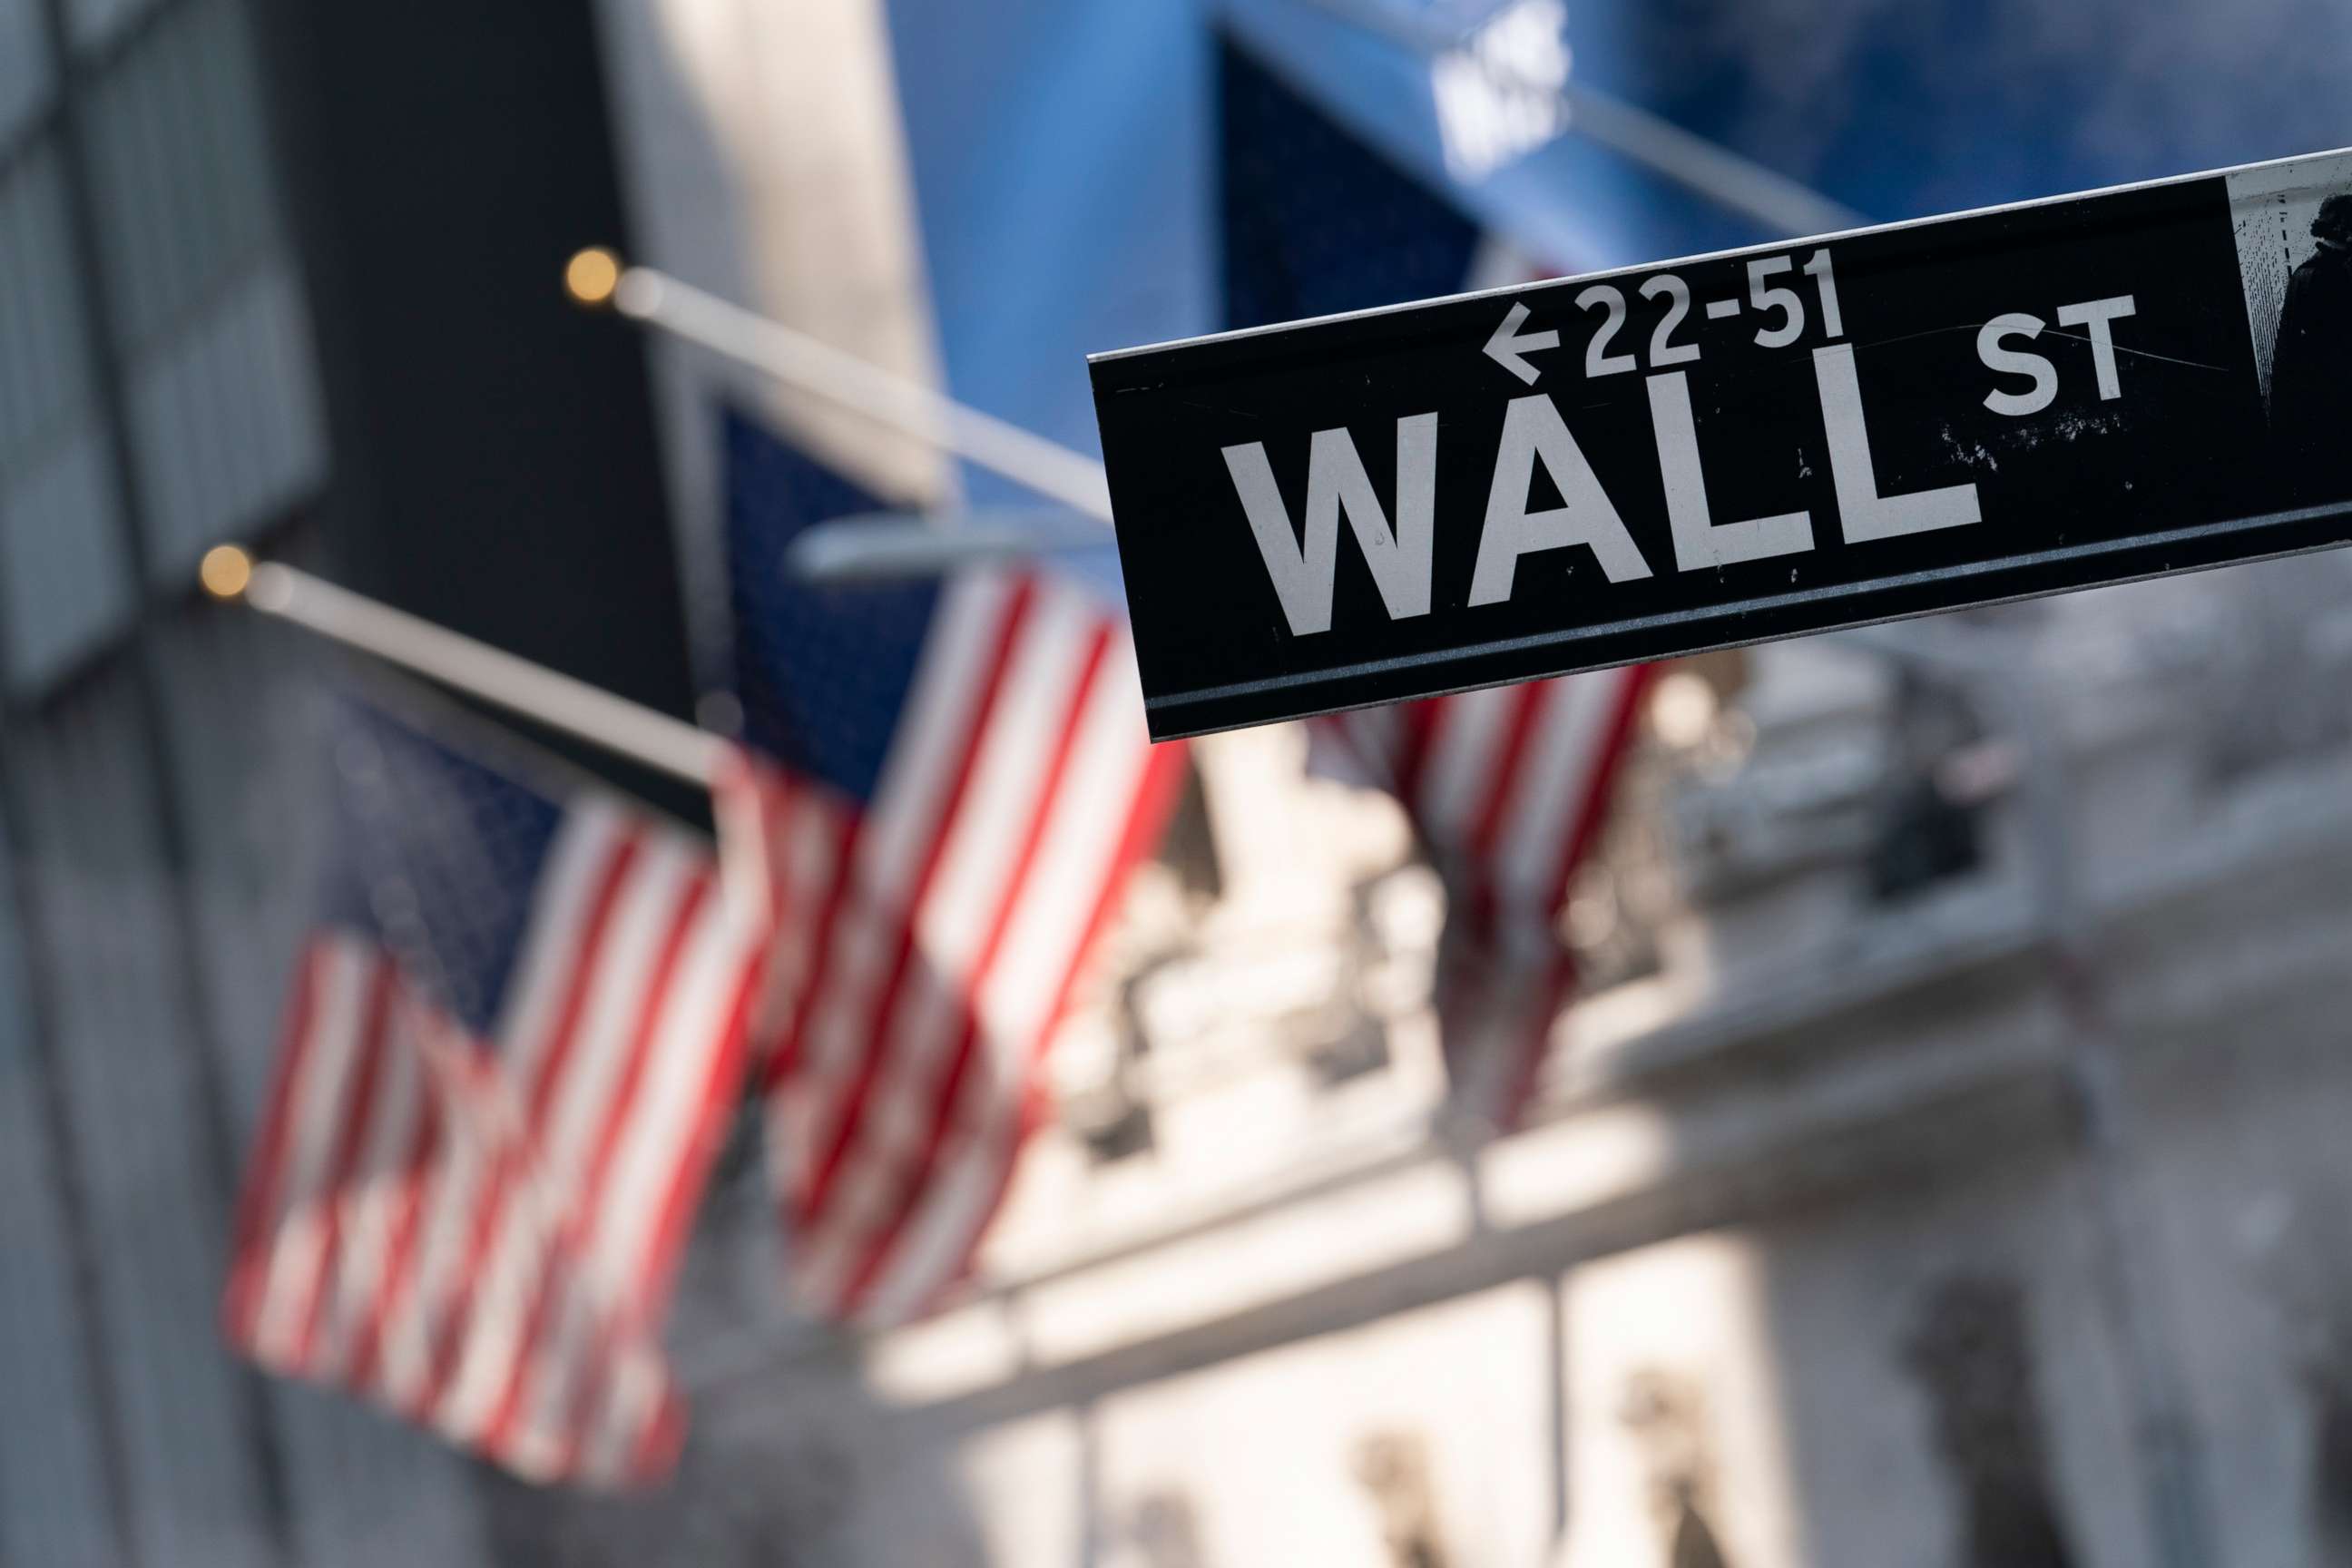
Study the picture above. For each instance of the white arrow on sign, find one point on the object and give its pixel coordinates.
(1507, 345)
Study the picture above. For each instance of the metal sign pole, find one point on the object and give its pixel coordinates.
(517, 685)
(1708, 169)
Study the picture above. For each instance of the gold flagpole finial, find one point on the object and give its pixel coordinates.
(225, 572)
(591, 276)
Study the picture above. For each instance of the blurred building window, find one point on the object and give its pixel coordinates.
(24, 66)
(210, 325)
(181, 168)
(62, 584)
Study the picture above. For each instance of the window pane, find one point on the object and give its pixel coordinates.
(220, 376)
(61, 563)
(44, 374)
(62, 579)
(226, 421)
(182, 168)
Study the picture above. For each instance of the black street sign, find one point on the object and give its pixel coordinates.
(1575, 474)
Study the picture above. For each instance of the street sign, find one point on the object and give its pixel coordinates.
(1766, 443)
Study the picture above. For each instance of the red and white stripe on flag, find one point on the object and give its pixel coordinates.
(482, 1234)
(929, 943)
(1508, 789)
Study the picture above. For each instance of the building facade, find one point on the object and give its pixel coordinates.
(1945, 1166)
(283, 275)
(1877, 1219)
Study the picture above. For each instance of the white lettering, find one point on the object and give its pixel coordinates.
(2009, 362)
(1788, 301)
(1336, 481)
(1863, 513)
(1533, 429)
(2100, 316)
(1699, 541)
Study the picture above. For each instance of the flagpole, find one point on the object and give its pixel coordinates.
(1707, 168)
(749, 339)
(517, 685)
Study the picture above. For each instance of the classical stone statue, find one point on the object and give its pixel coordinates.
(1165, 1529)
(1394, 1467)
(1969, 1353)
(1666, 1416)
(2297, 1245)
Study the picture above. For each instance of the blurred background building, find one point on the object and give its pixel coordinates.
(1944, 1164)
(247, 294)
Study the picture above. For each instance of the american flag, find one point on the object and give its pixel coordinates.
(515, 1035)
(945, 784)
(1507, 788)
